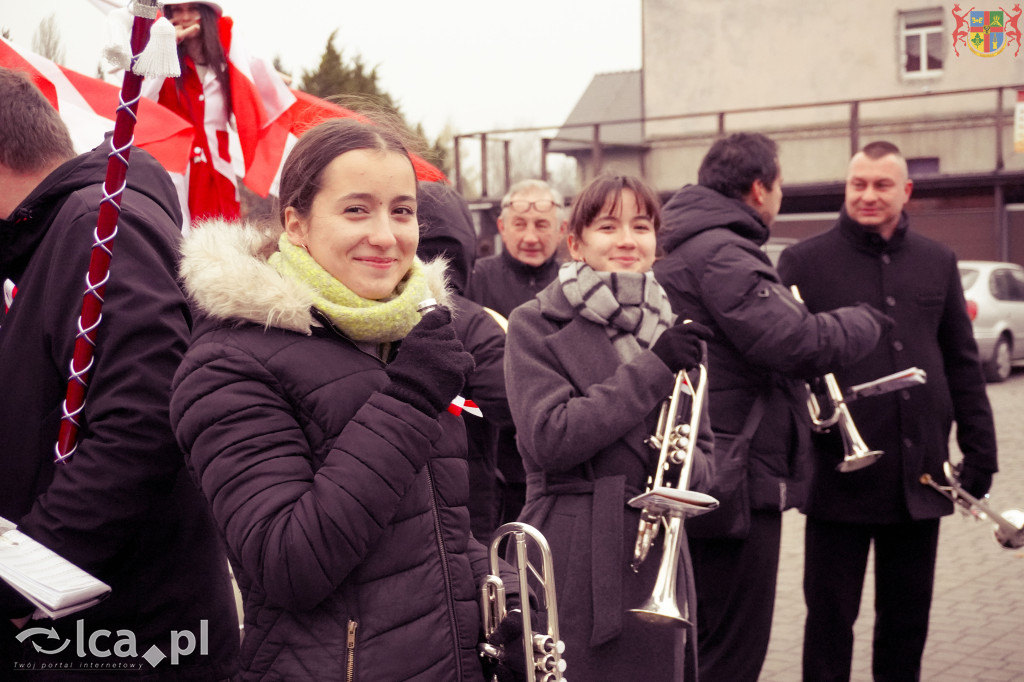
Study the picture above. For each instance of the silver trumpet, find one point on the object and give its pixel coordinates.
(856, 454)
(543, 649)
(1009, 526)
(664, 503)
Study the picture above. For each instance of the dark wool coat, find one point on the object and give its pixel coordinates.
(501, 282)
(915, 281)
(343, 508)
(123, 508)
(765, 343)
(581, 418)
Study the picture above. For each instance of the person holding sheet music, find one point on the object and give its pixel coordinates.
(122, 507)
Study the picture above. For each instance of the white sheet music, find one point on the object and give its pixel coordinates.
(55, 585)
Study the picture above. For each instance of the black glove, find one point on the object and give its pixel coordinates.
(509, 637)
(884, 321)
(679, 347)
(975, 481)
(431, 366)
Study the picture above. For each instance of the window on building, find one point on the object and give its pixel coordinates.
(921, 39)
(923, 165)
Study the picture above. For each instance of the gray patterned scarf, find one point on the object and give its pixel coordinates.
(631, 306)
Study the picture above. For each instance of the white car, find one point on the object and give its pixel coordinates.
(994, 292)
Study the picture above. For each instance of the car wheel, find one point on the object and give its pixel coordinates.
(998, 367)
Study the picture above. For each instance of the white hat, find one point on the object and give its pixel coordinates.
(212, 5)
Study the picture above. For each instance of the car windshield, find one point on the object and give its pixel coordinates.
(968, 277)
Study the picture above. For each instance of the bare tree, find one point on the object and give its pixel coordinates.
(46, 40)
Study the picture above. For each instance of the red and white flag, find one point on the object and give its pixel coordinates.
(88, 107)
(270, 116)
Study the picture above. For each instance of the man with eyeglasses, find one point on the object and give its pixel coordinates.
(531, 227)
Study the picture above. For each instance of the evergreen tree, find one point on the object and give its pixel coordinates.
(335, 79)
(355, 86)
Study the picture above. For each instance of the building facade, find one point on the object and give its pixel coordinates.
(940, 81)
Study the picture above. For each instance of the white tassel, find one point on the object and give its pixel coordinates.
(118, 50)
(160, 58)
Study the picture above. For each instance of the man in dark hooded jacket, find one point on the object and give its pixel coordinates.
(766, 345)
(446, 229)
(122, 507)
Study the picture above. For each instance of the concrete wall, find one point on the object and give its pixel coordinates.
(704, 56)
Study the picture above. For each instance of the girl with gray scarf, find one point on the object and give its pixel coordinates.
(587, 364)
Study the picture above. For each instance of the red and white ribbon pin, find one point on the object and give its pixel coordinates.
(459, 404)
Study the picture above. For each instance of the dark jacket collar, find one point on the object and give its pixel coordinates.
(696, 208)
(871, 242)
(525, 269)
(22, 232)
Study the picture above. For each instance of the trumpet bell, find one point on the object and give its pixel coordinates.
(664, 612)
(661, 608)
(858, 460)
(1014, 517)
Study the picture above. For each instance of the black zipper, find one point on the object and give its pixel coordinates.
(445, 568)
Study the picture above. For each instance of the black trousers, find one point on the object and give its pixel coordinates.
(835, 561)
(735, 599)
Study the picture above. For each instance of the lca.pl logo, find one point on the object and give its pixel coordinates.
(986, 32)
(103, 644)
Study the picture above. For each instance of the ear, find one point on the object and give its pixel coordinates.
(574, 247)
(563, 227)
(909, 188)
(758, 192)
(295, 227)
(501, 226)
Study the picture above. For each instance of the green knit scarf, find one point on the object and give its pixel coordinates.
(358, 318)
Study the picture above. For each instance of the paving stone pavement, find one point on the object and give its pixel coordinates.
(976, 631)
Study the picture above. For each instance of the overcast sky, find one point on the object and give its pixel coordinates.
(476, 64)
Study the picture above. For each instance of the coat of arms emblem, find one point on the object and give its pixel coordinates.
(986, 36)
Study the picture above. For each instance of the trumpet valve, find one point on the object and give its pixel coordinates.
(546, 644)
(549, 664)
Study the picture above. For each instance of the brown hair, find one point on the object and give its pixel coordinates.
(213, 52)
(591, 200)
(32, 134)
(303, 172)
(876, 150)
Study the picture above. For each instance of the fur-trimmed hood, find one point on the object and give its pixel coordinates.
(225, 271)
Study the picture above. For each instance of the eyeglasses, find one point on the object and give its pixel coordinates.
(522, 205)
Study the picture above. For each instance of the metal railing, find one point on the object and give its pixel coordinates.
(854, 127)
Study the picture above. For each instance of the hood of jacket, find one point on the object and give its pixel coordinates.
(695, 209)
(446, 230)
(225, 272)
(22, 231)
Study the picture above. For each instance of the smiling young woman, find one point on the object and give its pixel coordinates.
(311, 406)
(588, 362)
